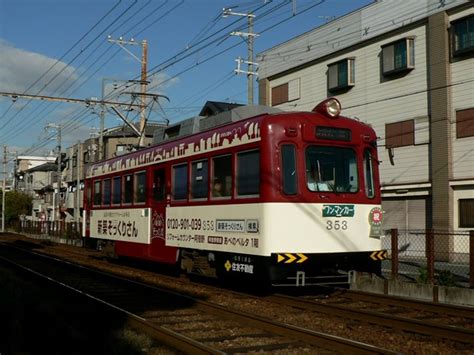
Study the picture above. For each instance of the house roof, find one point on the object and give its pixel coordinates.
(212, 108)
(125, 131)
(43, 167)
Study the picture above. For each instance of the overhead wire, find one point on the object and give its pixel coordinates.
(131, 28)
(221, 51)
(109, 48)
(71, 61)
(66, 53)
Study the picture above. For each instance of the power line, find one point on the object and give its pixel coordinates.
(71, 61)
(67, 52)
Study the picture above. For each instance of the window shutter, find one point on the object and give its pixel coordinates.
(465, 123)
(333, 77)
(280, 94)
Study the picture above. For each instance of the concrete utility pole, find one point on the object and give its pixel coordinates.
(143, 82)
(56, 195)
(4, 186)
(77, 209)
(250, 43)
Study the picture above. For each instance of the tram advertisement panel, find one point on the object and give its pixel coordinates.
(223, 228)
(127, 225)
(263, 229)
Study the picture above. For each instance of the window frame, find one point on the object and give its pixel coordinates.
(409, 56)
(205, 178)
(125, 200)
(460, 202)
(135, 187)
(86, 157)
(350, 74)
(214, 178)
(461, 52)
(284, 170)
(237, 176)
(122, 151)
(106, 192)
(173, 182)
(159, 193)
(114, 195)
(97, 201)
(369, 176)
(324, 183)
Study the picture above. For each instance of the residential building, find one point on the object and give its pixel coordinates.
(406, 68)
(116, 141)
(40, 183)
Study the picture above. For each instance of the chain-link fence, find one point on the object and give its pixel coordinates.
(60, 229)
(430, 256)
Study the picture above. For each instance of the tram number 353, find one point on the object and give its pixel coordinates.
(336, 225)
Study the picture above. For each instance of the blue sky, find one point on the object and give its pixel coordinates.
(69, 38)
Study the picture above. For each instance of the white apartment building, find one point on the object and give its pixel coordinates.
(407, 68)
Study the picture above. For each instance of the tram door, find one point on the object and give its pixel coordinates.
(158, 208)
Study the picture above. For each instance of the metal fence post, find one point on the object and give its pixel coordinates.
(394, 240)
(430, 255)
(471, 259)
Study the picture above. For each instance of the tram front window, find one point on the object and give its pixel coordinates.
(331, 169)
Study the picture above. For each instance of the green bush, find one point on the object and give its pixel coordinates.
(446, 278)
(423, 275)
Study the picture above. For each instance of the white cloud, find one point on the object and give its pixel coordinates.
(20, 68)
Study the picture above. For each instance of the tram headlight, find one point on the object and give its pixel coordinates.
(330, 107)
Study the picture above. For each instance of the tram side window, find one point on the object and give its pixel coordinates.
(88, 194)
(159, 185)
(140, 187)
(107, 191)
(199, 179)
(288, 160)
(369, 174)
(97, 193)
(180, 182)
(248, 173)
(116, 190)
(128, 189)
(222, 176)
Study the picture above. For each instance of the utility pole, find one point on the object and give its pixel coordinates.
(56, 195)
(4, 186)
(143, 79)
(77, 212)
(250, 43)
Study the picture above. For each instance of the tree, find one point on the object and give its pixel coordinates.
(16, 203)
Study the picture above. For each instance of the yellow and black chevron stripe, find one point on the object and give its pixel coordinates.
(289, 258)
(379, 255)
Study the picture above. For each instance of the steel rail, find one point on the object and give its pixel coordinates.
(423, 327)
(445, 309)
(324, 340)
(160, 333)
(314, 338)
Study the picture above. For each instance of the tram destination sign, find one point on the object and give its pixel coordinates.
(333, 133)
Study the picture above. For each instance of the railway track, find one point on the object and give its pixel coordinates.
(401, 314)
(183, 322)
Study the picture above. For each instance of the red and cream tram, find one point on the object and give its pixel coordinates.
(289, 198)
